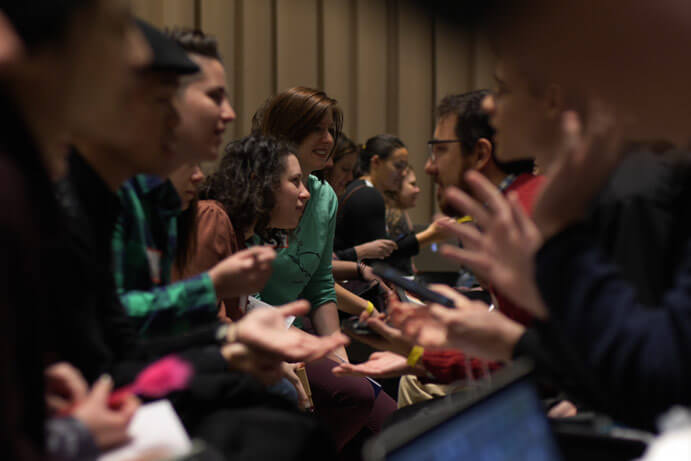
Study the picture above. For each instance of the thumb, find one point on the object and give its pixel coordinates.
(101, 389)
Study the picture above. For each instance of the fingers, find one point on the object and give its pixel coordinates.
(382, 328)
(487, 193)
(347, 369)
(101, 389)
(296, 308)
(469, 235)
(525, 224)
(476, 261)
(463, 202)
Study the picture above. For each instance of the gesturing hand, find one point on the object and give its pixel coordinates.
(267, 368)
(379, 365)
(376, 249)
(107, 426)
(471, 327)
(65, 387)
(265, 330)
(243, 273)
(503, 252)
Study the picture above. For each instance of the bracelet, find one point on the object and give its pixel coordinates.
(415, 355)
(360, 272)
(370, 307)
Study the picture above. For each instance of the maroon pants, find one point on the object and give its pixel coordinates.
(346, 405)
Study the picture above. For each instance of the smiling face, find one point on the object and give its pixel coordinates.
(291, 196)
(315, 150)
(204, 111)
(342, 172)
(185, 180)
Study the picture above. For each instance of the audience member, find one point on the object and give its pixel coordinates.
(48, 50)
(218, 402)
(311, 120)
(362, 211)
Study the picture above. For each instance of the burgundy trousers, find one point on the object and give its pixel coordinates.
(346, 405)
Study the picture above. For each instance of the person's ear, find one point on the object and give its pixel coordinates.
(553, 101)
(375, 161)
(482, 153)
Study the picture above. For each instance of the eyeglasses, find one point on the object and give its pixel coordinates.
(431, 145)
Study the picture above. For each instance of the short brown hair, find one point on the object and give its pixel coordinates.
(294, 113)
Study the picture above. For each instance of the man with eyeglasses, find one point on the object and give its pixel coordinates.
(463, 141)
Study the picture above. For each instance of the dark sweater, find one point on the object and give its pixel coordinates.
(361, 219)
(629, 323)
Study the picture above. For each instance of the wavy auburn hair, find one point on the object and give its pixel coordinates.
(294, 113)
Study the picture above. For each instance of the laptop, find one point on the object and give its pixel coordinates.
(504, 421)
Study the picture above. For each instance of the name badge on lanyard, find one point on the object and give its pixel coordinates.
(154, 257)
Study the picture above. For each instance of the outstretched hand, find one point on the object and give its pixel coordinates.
(265, 330)
(379, 365)
(470, 327)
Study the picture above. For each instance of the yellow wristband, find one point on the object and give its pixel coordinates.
(415, 355)
(370, 307)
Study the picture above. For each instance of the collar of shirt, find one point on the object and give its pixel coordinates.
(506, 182)
(160, 192)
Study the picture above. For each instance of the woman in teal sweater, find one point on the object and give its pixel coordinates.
(311, 120)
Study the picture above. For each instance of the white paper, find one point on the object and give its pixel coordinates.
(154, 426)
(254, 303)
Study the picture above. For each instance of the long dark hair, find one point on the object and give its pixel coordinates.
(245, 184)
(381, 145)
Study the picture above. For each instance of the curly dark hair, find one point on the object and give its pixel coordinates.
(245, 183)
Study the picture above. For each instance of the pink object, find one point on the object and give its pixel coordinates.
(158, 379)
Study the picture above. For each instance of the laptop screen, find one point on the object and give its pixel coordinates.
(507, 425)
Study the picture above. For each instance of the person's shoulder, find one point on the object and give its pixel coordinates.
(527, 186)
(212, 213)
(321, 192)
(211, 207)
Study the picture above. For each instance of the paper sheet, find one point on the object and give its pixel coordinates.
(154, 427)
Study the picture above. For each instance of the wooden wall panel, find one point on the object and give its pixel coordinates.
(416, 96)
(256, 66)
(370, 62)
(296, 43)
(339, 57)
(453, 68)
(218, 18)
(163, 13)
(484, 62)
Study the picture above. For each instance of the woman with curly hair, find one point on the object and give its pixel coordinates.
(256, 190)
(350, 407)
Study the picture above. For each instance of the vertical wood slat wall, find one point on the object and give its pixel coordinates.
(386, 62)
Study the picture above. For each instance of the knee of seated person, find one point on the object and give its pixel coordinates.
(355, 392)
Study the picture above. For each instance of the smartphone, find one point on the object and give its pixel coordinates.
(392, 275)
(354, 326)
